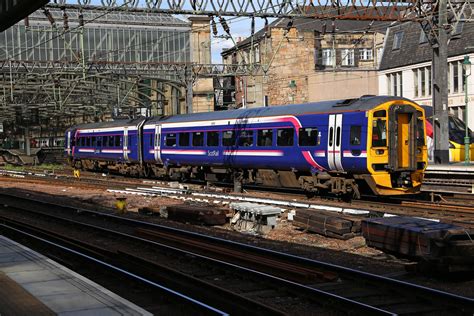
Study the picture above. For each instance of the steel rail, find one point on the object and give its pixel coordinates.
(309, 291)
(347, 272)
(205, 307)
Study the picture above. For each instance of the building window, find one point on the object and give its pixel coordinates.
(423, 38)
(257, 53)
(422, 81)
(395, 84)
(328, 57)
(455, 77)
(348, 57)
(366, 54)
(397, 40)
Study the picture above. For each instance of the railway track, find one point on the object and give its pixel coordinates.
(460, 212)
(314, 286)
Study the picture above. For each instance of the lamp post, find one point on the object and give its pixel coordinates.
(466, 65)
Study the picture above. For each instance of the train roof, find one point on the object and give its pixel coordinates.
(336, 106)
(116, 123)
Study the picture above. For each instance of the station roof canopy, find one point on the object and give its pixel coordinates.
(12, 11)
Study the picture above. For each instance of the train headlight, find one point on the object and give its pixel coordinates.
(418, 151)
(379, 151)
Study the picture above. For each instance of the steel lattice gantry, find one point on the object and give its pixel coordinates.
(396, 10)
(61, 63)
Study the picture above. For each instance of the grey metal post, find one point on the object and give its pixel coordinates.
(189, 90)
(440, 89)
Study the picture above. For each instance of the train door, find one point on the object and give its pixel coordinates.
(404, 140)
(68, 143)
(157, 144)
(335, 142)
(402, 145)
(125, 144)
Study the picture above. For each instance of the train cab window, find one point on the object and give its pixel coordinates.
(308, 137)
(285, 136)
(246, 138)
(420, 133)
(94, 141)
(212, 139)
(184, 139)
(228, 138)
(198, 139)
(264, 137)
(170, 139)
(355, 135)
(381, 113)
(379, 133)
(118, 141)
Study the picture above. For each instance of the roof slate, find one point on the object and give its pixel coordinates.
(412, 52)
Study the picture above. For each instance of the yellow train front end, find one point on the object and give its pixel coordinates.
(397, 153)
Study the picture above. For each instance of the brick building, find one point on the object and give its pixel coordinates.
(305, 60)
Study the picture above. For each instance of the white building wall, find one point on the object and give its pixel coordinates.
(455, 100)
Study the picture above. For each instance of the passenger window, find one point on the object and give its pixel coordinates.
(99, 141)
(308, 137)
(198, 139)
(212, 139)
(228, 138)
(184, 139)
(88, 141)
(381, 113)
(356, 131)
(265, 137)
(170, 139)
(111, 141)
(379, 133)
(94, 141)
(117, 141)
(338, 136)
(246, 138)
(285, 136)
(331, 136)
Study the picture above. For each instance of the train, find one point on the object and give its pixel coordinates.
(367, 145)
(457, 132)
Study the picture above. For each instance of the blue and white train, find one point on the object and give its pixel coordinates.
(374, 144)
